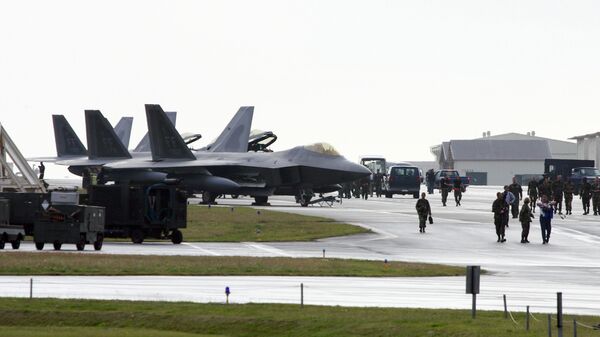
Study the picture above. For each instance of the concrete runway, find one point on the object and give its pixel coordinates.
(530, 274)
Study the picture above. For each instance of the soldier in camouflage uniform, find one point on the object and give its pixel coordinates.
(516, 189)
(445, 187)
(585, 194)
(596, 196)
(557, 194)
(532, 191)
(569, 189)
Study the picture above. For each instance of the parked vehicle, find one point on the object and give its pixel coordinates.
(403, 179)
(578, 173)
(452, 174)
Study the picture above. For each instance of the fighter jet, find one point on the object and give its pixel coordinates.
(301, 171)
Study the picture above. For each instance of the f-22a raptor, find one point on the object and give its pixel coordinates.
(220, 168)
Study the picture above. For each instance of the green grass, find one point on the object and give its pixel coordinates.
(55, 263)
(80, 317)
(221, 224)
(36, 331)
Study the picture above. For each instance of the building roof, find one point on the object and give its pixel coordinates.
(589, 135)
(499, 149)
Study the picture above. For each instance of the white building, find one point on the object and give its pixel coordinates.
(588, 147)
(494, 160)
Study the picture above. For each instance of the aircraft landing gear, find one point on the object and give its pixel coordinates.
(304, 197)
(209, 198)
(261, 201)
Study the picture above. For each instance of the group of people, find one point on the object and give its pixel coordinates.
(559, 190)
(510, 199)
(364, 188)
(547, 195)
(552, 193)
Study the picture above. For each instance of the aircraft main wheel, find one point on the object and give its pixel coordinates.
(39, 245)
(208, 198)
(137, 236)
(416, 195)
(235, 196)
(389, 195)
(98, 242)
(57, 245)
(176, 236)
(261, 200)
(15, 244)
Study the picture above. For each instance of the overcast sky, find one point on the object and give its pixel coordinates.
(369, 77)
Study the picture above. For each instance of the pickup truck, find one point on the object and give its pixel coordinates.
(452, 174)
(578, 173)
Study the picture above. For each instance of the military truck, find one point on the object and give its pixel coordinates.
(66, 221)
(8, 232)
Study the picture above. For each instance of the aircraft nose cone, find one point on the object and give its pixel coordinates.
(358, 171)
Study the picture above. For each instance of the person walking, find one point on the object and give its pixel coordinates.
(596, 196)
(516, 189)
(366, 188)
(557, 194)
(430, 180)
(457, 187)
(525, 217)
(546, 215)
(499, 207)
(509, 199)
(378, 180)
(532, 191)
(569, 190)
(444, 187)
(585, 194)
(424, 212)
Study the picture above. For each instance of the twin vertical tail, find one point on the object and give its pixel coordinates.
(123, 130)
(67, 142)
(236, 135)
(144, 144)
(102, 140)
(165, 141)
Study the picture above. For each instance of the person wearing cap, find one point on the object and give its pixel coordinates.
(525, 217)
(499, 207)
(424, 211)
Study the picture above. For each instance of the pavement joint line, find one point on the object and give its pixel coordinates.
(266, 248)
(201, 249)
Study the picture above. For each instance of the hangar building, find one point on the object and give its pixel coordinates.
(588, 147)
(494, 160)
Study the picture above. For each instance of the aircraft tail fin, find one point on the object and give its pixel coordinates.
(102, 140)
(123, 130)
(144, 144)
(165, 141)
(236, 134)
(67, 142)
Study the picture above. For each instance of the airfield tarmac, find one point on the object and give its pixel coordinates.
(529, 274)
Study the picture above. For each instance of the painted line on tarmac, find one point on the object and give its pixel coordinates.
(266, 248)
(206, 251)
(578, 235)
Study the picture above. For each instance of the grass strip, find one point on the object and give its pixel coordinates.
(173, 319)
(63, 263)
(241, 224)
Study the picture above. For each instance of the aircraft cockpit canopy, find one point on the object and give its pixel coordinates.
(323, 148)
